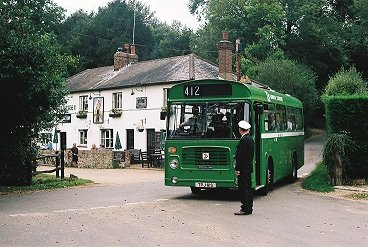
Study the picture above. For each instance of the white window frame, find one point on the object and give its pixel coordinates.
(107, 138)
(83, 136)
(117, 100)
(83, 103)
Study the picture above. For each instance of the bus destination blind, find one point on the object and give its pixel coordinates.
(208, 90)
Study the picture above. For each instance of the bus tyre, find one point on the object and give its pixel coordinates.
(195, 190)
(269, 181)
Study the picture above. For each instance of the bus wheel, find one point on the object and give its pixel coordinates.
(195, 190)
(269, 180)
(294, 173)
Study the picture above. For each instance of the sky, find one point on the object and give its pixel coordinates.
(165, 10)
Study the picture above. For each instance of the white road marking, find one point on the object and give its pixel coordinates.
(28, 214)
(160, 200)
(104, 207)
(68, 210)
(134, 203)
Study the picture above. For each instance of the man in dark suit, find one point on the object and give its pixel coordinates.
(244, 168)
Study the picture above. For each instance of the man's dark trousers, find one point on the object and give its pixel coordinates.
(245, 192)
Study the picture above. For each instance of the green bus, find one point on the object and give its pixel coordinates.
(201, 156)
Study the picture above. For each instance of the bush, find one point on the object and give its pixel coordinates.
(346, 82)
(348, 114)
(337, 145)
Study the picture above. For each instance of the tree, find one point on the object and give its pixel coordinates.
(357, 44)
(95, 37)
(317, 39)
(32, 82)
(259, 24)
(73, 37)
(325, 35)
(287, 76)
(346, 82)
(171, 40)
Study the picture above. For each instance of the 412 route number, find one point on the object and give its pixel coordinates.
(192, 90)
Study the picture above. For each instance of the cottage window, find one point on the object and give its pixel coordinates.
(83, 137)
(83, 103)
(107, 138)
(117, 100)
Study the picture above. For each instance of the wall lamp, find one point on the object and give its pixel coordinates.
(138, 87)
(95, 94)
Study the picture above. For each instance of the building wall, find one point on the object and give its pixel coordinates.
(131, 116)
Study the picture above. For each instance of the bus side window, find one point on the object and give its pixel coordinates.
(280, 117)
(271, 121)
(270, 118)
(298, 119)
(291, 122)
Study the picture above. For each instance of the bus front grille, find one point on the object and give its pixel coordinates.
(205, 157)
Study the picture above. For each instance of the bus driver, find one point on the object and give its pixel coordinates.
(194, 123)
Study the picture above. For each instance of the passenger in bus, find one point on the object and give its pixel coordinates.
(271, 122)
(280, 124)
(244, 168)
(194, 124)
(217, 127)
(290, 124)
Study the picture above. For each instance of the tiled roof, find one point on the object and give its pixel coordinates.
(159, 71)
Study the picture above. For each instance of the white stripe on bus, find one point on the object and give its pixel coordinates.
(282, 134)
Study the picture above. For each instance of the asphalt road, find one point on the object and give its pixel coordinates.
(132, 207)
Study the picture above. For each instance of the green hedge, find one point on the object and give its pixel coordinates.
(350, 114)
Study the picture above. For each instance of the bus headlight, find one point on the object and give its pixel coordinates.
(174, 164)
(172, 150)
(174, 180)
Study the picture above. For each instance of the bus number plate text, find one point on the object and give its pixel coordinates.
(205, 185)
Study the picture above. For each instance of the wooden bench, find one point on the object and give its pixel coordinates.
(155, 157)
(135, 156)
(145, 159)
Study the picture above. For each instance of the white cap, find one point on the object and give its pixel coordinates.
(244, 125)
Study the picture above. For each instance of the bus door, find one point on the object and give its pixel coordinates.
(258, 119)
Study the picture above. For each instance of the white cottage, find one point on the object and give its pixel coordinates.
(126, 99)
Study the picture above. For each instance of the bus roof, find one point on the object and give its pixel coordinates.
(218, 90)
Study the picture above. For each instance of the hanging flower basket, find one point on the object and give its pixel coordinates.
(115, 112)
(82, 114)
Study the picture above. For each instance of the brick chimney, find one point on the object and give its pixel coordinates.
(225, 57)
(125, 56)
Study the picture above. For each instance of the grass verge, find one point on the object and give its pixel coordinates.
(45, 182)
(318, 180)
(358, 196)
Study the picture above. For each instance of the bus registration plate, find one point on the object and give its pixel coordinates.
(205, 185)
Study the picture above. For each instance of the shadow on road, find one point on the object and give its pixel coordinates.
(212, 194)
(221, 194)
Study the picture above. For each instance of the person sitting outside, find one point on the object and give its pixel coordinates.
(74, 155)
(102, 147)
(93, 148)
